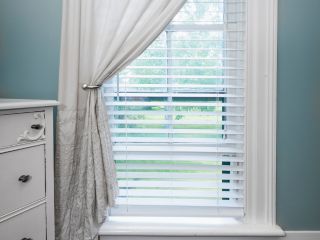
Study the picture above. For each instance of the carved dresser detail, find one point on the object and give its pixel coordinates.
(26, 169)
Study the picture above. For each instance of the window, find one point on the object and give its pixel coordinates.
(177, 116)
(193, 120)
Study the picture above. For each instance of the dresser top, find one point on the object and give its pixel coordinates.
(6, 103)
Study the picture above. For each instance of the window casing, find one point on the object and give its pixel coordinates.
(260, 146)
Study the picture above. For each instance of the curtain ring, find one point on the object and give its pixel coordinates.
(86, 86)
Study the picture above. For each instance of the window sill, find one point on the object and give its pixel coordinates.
(138, 226)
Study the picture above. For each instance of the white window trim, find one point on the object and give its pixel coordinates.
(260, 219)
(261, 111)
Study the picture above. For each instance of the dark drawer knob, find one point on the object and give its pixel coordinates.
(26, 239)
(36, 126)
(24, 178)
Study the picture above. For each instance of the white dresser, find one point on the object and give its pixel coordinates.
(26, 169)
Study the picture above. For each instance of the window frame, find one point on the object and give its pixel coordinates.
(186, 211)
(260, 204)
(261, 112)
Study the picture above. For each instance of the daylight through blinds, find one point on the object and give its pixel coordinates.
(177, 116)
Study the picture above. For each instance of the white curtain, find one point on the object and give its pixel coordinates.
(99, 38)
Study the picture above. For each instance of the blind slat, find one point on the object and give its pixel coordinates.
(177, 202)
(175, 140)
(195, 167)
(176, 122)
(174, 131)
(174, 104)
(180, 76)
(175, 175)
(175, 95)
(197, 49)
(183, 67)
(174, 113)
(190, 58)
(179, 184)
(123, 87)
(178, 193)
(184, 149)
(165, 156)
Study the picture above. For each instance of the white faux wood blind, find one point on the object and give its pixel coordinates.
(177, 116)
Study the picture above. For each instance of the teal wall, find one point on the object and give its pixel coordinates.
(29, 61)
(29, 48)
(298, 130)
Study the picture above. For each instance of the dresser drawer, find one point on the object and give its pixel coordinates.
(30, 225)
(16, 188)
(21, 128)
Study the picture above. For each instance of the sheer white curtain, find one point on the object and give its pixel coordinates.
(99, 38)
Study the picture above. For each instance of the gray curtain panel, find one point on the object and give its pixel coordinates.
(99, 38)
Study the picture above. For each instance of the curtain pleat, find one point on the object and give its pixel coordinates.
(99, 38)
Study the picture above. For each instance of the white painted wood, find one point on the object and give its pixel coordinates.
(50, 175)
(163, 211)
(261, 112)
(180, 227)
(18, 147)
(290, 235)
(31, 224)
(32, 211)
(14, 193)
(6, 103)
(16, 128)
(25, 208)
